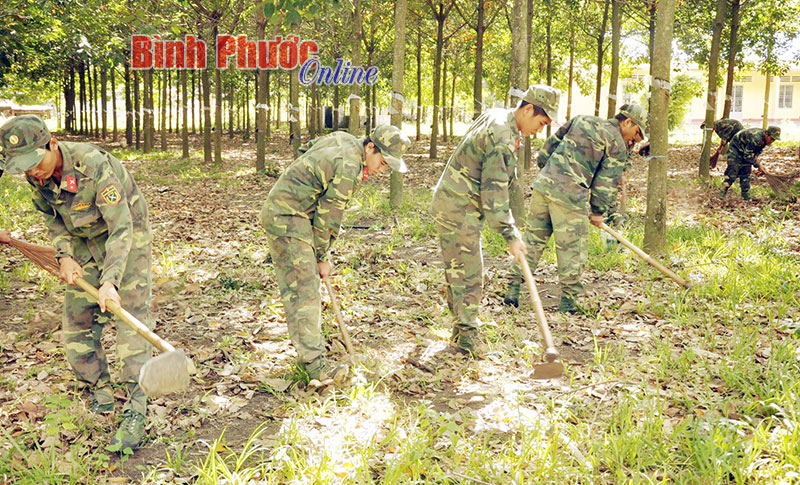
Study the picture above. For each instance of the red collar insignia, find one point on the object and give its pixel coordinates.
(516, 146)
(364, 174)
(72, 183)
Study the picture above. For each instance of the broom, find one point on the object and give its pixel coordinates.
(780, 183)
(43, 256)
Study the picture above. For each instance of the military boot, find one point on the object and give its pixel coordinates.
(467, 341)
(746, 196)
(322, 369)
(130, 432)
(568, 305)
(512, 293)
(103, 400)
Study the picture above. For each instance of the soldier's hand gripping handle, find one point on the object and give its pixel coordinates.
(69, 270)
(5, 237)
(517, 249)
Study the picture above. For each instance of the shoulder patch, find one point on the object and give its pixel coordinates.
(111, 195)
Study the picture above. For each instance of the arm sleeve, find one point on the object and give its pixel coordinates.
(60, 237)
(606, 183)
(113, 205)
(494, 190)
(330, 209)
(551, 144)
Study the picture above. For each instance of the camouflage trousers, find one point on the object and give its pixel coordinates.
(460, 240)
(741, 171)
(570, 230)
(84, 323)
(298, 279)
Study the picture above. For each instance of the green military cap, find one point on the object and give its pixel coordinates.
(23, 139)
(637, 114)
(774, 132)
(544, 97)
(393, 144)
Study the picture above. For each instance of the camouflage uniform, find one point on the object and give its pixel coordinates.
(97, 216)
(726, 128)
(303, 213)
(745, 147)
(581, 168)
(473, 189)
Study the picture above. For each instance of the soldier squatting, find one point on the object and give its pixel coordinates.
(98, 222)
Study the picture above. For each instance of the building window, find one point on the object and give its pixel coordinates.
(747, 79)
(736, 106)
(785, 97)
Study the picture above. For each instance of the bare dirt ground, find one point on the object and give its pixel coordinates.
(216, 298)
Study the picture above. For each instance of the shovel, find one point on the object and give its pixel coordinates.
(619, 237)
(348, 344)
(551, 369)
(164, 374)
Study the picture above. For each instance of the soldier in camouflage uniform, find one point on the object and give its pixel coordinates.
(582, 164)
(5, 236)
(303, 213)
(474, 188)
(98, 223)
(742, 157)
(725, 129)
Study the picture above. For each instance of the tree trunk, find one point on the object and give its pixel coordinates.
(113, 104)
(437, 76)
(69, 98)
(767, 82)
(396, 103)
(217, 116)
(163, 120)
(128, 106)
(194, 88)
(104, 101)
(206, 118)
(137, 111)
(231, 106)
(571, 68)
(170, 111)
(601, 39)
(452, 101)
(477, 83)
(419, 83)
(733, 49)
(355, 90)
(616, 28)
(444, 98)
(262, 124)
(89, 101)
(711, 101)
(185, 114)
(147, 125)
(519, 81)
(82, 97)
(655, 231)
(294, 107)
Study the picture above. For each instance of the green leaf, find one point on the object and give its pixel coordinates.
(269, 9)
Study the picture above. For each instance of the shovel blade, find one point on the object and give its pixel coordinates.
(165, 374)
(550, 370)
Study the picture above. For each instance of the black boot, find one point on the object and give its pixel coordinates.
(512, 294)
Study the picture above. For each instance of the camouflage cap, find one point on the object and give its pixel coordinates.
(393, 144)
(23, 139)
(545, 97)
(774, 132)
(637, 114)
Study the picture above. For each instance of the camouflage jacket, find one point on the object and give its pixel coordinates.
(478, 173)
(726, 128)
(309, 199)
(746, 146)
(582, 164)
(96, 212)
